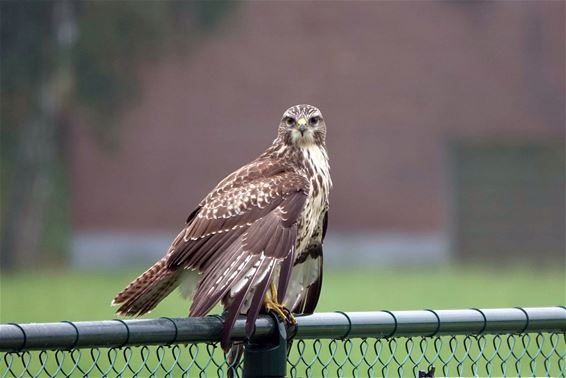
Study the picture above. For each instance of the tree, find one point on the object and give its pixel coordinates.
(59, 59)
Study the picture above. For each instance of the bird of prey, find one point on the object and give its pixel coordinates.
(254, 243)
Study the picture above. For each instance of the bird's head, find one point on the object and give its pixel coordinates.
(302, 125)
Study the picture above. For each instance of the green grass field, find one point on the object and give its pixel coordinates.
(64, 295)
(71, 295)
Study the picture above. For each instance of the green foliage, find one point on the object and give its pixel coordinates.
(27, 54)
(112, 38)
(116, 35)
(26, 48)
(60, 58)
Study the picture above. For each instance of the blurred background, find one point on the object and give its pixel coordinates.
(445, 132)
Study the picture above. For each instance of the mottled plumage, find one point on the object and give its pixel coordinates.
(259, 230)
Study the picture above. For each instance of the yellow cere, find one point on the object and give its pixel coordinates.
(302, 121)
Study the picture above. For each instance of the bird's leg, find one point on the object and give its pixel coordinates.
(271, 303)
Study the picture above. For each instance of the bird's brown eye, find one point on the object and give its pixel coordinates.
(289, 121)
(314, 121)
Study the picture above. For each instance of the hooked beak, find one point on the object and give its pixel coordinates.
(302, 125)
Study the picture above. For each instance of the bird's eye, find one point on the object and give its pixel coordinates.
(289, 121)
(313, 121)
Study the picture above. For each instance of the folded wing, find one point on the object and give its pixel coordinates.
(242, 233)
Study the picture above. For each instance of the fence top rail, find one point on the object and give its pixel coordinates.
(329, 325)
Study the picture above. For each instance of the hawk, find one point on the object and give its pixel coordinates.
(254, 243)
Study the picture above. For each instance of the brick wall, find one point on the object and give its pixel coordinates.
(395, 81)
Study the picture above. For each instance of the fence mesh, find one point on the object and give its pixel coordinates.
(527, 354)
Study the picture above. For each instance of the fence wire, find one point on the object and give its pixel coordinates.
(505, 353)
(493, 355)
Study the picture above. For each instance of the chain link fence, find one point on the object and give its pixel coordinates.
(494, 342)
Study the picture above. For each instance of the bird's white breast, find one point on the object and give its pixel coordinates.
(317, 201)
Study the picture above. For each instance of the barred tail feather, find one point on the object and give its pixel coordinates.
(146, 291)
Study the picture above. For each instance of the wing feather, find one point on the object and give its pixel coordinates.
(249, 262)
(233, 210)
(216, 282)
(285, 276)
(260, 289)
(239, 260)
(240, 233)
(313, 291)
(306, 289)
(232, 312)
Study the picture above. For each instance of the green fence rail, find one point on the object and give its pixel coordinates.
(474, 342)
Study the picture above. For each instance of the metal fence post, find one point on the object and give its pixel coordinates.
(267, 359)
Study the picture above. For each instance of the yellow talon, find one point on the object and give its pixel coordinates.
(272, 304)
